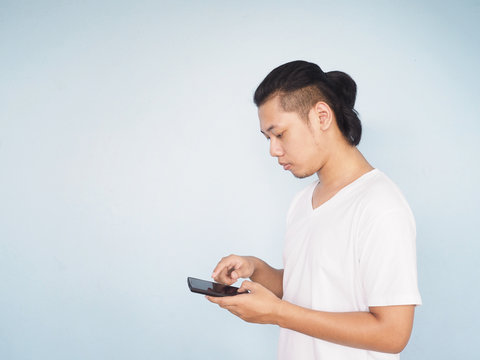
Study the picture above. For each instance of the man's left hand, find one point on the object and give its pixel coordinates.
(260, 305)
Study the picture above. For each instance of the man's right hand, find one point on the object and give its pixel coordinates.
(233, 267)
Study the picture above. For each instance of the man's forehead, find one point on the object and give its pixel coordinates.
(270, 114)
(271, 104)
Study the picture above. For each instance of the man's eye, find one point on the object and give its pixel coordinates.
(279, 135)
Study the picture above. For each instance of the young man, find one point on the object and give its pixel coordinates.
(348, 289)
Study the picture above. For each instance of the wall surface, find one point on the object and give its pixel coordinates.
(131, 158)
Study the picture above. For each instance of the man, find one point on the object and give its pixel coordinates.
(348, 289)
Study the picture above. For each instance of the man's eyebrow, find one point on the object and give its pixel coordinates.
(269, 129)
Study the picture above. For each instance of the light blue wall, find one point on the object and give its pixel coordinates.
(131, 158)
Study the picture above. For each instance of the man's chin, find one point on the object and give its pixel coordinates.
(302, 175)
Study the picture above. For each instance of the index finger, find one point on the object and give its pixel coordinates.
(222, 301)
(224, 269)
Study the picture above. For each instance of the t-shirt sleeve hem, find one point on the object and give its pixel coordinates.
(397, 300)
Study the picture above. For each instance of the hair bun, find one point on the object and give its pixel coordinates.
(343, 86)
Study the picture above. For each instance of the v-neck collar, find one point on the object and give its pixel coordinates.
(340, 192)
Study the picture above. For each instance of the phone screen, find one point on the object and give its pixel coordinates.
(211, 288)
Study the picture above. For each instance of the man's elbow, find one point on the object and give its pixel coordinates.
(396, 342)
(397, 348)
(395, 327)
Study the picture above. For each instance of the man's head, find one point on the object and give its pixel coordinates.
(311, 109)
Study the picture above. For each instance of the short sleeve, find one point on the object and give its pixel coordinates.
(387, 260)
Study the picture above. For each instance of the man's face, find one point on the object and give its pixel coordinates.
(293, 140)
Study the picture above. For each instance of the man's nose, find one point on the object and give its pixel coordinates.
(275, 148)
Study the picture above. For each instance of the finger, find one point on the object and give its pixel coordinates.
(213, 299)
(225, 271)
(222, 301)
(217, 270)
(248, 286)
(224, 276)
(222, 267)
(234, 312)
(224, 262)
(223, 304)
(234, 275)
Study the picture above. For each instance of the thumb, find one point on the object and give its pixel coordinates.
(234, 275)
(248, 285)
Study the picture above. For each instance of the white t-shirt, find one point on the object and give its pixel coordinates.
(354, 251)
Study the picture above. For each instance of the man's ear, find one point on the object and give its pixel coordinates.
(323, 114)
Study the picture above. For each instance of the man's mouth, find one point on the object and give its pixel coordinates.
(286, 166)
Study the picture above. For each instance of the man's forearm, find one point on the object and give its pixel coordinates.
(384, 329)
(268, 276)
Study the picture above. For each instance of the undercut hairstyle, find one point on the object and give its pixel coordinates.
(301, 84)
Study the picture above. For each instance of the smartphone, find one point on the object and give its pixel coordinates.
(211, 288)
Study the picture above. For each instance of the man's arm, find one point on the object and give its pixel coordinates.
(268, 276)
(383, 328)
(233, 267)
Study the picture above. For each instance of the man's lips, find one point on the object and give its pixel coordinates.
(286, 166)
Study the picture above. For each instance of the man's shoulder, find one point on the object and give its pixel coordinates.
(381, 194)
(382, 184)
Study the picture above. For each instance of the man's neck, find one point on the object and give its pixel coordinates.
(343, 167)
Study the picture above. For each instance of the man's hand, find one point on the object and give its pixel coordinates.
(233, 267)
(259, 306)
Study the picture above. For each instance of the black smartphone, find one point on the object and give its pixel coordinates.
(211, 288)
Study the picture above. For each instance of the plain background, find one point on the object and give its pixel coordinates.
(131, 158)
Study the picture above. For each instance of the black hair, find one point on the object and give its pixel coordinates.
(301, 84)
